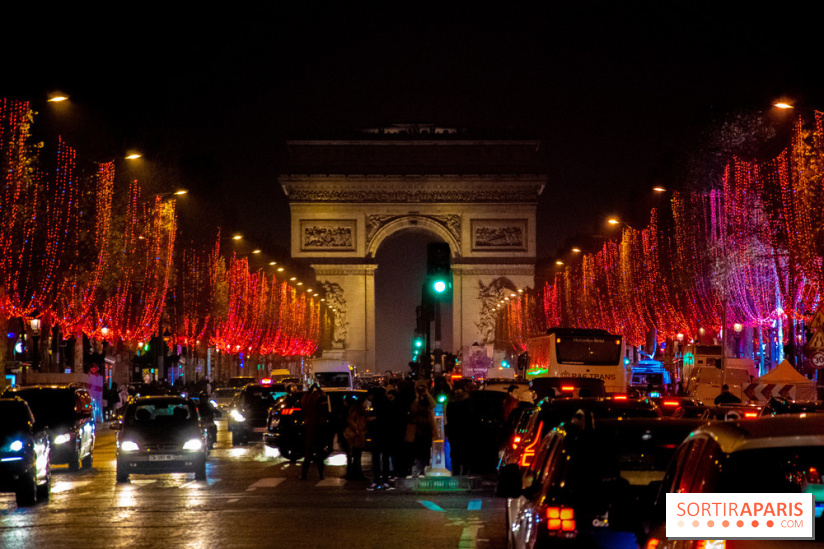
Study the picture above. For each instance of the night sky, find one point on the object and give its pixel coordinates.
(622, 94)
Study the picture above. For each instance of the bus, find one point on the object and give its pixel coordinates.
(578, 352)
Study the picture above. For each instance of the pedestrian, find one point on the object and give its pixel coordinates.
(315, 405)
(382, 433)
(726, 397)
(511, 402)
(395, 414)
(355, 435)
(459, 430)
(420, 427)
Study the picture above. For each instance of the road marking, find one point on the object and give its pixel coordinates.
(144, 481)
(474, 505)
(431, 506)
(270, 482)
(469, 536)
(65, 486)
(331, 481)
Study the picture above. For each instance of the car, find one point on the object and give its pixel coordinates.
(285, 424)
(782, 454)
(567, 387)
(66, 412)
(669, 404)
(522, 391)
(241, 381)
(24, 453)
(650, 376)
(732, 412)
(688, 412)
(591, 486)
(160, 434)
(208, 414)
(250, 409)
(222, 398)
(778, 406)
(553, 413)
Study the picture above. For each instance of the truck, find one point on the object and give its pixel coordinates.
(331, 373)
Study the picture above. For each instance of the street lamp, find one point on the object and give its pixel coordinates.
(57, 97)
(133, 156)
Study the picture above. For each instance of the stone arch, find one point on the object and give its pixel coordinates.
(412, 222)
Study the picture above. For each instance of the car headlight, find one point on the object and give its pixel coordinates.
(16, 446)
(237, 416)
(129, 446)
(62, 439)
(193, 445)
(213, 402)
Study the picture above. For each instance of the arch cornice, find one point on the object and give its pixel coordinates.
(447, 228)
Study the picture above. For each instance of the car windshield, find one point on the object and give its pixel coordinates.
(161, 413)
(15, 417)
(260, 397)
(783, 469)
(49, 406)
(224, 392)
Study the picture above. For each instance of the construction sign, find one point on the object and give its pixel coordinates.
(762, 392)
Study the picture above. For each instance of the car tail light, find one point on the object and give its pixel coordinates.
(516, 440)
(619, 397)
(567, 388)
(560, 518)
(652, 543)
(529, 450)
(750, 415)
(813, 476)
(710, 544)
(670, 403)
(288, 411)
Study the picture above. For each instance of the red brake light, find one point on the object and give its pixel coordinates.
(560, 518)
(670, 403)
(619, 397)
(567, 387)
(750, 414)
(288, 411)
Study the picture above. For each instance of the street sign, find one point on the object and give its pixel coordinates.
(817, 360)
(816, 342)
(817, 322)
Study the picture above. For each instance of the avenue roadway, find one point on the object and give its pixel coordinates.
(250, 500)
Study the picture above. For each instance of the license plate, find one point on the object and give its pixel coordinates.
(163, 457)
(259, 429)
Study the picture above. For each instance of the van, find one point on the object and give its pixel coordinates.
(705, 383)
(332, 373)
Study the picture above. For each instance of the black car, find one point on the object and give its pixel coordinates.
(285, 426)
(250, 410)
(208, 414)
(161, 434)
(66, 412)
(24, 453)
(591, 486)
(567, 387)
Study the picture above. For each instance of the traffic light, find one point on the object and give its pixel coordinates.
(418, 346)
(438, 271)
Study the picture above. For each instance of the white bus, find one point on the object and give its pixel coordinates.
(574, 352)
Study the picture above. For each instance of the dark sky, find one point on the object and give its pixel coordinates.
(619, 92)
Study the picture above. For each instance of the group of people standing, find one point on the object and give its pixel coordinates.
(399, 420)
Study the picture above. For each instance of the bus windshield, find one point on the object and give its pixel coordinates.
(589, 350)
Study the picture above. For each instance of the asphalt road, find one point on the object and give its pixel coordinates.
(249, 500)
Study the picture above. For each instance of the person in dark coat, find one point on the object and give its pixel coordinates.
(315, 405)
(381, 429)
(420, 428)
(459, 430)
(726, 397)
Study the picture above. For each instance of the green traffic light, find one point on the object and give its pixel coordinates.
(146, 347)
(439, 286)
(441, 398)
(418, 343)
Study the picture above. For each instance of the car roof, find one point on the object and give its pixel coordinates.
(767, 432)
(145, 398)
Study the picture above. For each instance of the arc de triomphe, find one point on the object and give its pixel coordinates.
(479, 196)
